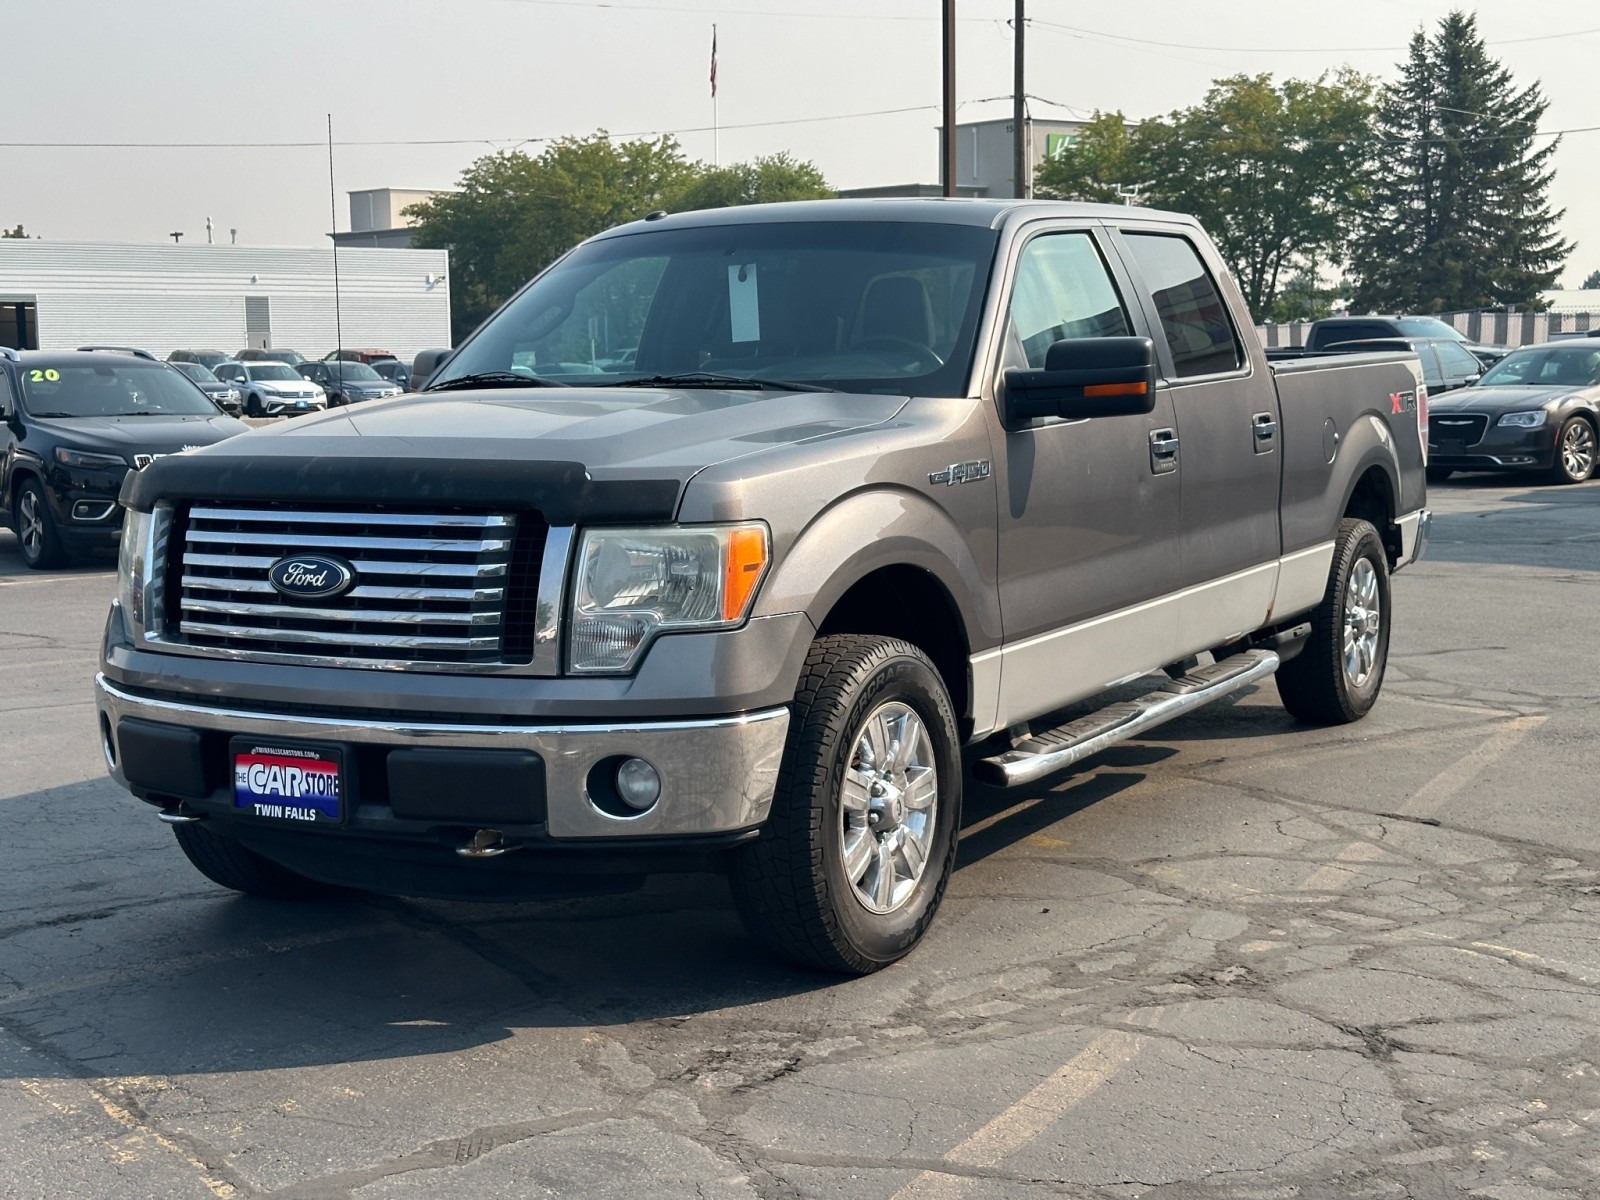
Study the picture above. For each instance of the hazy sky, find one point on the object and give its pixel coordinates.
(486, 74)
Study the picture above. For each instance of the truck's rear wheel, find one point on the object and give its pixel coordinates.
(852, 864)
(224, 861)
(1337, 677)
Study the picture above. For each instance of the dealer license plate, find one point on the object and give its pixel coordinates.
(302, 404)
(288, 783)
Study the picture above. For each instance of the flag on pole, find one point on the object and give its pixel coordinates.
(713, 62)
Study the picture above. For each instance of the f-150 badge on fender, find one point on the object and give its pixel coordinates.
(967, 472)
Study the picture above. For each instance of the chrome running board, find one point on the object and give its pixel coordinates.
(1040, 754)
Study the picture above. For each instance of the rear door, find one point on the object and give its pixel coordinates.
(1229, 433)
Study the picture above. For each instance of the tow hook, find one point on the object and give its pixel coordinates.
(486, 843)
(180, 816)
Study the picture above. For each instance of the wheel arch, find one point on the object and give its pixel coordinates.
(890, 562)
(1372, 495)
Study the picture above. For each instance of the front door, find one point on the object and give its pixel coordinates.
(1229, 431)
(1088, 509)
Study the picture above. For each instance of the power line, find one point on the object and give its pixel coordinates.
(1118, 37)
(482, 141)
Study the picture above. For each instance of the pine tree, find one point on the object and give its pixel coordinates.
(1460, 216)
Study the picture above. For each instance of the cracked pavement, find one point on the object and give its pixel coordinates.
(1238, 958)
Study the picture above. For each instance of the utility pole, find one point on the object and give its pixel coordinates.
(1019, 111)
(948, 167)
(175, 236)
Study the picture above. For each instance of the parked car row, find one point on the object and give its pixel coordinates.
(282, 382)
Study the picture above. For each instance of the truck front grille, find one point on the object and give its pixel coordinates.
(429, 587)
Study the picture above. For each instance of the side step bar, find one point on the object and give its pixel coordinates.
(1050, 751)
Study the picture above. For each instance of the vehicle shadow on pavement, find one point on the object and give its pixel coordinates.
(142, 969)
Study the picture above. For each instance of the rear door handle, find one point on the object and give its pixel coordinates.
(1163, 451)
(1266, 432)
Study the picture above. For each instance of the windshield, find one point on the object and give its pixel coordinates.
(1546, 366)
(196, 372)
(111, 390)
(350, 370)
(271, 371)
(857, 306)
(1429, 327)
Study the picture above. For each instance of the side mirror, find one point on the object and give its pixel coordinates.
(425, 364)
(1471, 379)
(1085, 377)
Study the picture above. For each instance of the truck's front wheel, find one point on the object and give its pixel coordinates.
(222, 860)
(852, 864)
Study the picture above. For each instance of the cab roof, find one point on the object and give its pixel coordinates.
(932, 210)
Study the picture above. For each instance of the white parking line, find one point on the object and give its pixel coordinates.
(1030, 1116)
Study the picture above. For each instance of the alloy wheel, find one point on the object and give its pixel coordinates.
(1363, 620)
(1578, 450)
(888, 807)
(30, 524)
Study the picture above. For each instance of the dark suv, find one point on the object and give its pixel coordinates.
(72, 424)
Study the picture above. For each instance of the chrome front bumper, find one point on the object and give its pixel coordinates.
(717, 775)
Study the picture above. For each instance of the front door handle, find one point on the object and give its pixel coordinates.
(1266, 432)
(1163, 451)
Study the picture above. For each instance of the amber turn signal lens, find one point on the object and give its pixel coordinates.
(747, 559)
(1116, 389)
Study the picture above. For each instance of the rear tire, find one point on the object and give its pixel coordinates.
(224, 861)
(854, 859)
(1439, 474)
(1575, 452)
(1337, 677)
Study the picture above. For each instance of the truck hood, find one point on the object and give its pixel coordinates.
(574, 453)
(1497, 400)
(614, 432)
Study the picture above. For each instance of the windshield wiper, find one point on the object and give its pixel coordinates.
(54, 414)
(711, 379)
(485, 379)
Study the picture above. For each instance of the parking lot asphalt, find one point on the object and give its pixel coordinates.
(1239, 958)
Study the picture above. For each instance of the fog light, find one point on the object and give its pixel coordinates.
(638, 784)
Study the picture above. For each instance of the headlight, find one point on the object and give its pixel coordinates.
(131, 565)
(633, 583)
(1524, 420)
(84, 460)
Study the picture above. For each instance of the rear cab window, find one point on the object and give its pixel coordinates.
(1198, 328)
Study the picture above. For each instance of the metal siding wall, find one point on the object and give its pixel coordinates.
(167, 297)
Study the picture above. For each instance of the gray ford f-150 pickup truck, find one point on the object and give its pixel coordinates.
(724, 539)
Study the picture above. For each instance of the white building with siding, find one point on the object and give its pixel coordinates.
(58, 295)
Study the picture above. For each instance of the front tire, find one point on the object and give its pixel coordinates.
(252, 407)
(853, 861)
(38, 539)
(1575, 452)
(224, 861)
(1336, 679)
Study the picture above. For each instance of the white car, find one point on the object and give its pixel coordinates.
(272, 389)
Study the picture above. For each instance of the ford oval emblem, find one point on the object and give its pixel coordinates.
(311, 576)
